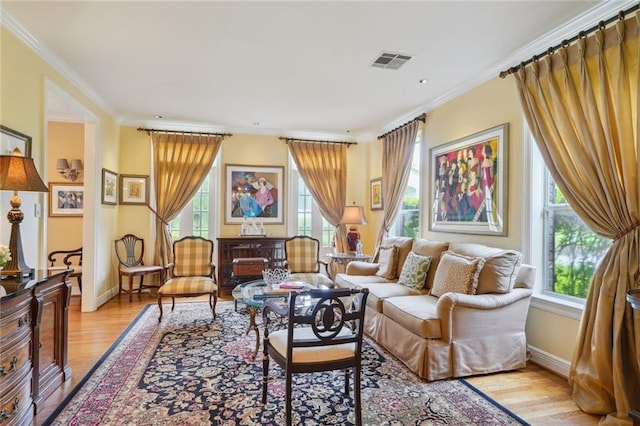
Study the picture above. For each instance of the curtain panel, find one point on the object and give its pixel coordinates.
(323, 167)
(581, 104)
(181, 162)
(397, 152)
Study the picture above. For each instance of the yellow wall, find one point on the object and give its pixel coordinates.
(23, 83)
(65, 140)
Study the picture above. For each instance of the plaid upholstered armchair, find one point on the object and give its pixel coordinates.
(192, 273)
(303, 260)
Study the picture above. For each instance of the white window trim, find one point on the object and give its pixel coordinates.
(533, 225)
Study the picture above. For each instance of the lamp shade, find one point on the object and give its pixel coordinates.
(20, 174)
(76, 164)
(353, 215)
(62, 164)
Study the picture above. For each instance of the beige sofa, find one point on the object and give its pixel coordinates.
(456, 334)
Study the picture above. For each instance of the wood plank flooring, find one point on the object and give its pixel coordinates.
(533, 393)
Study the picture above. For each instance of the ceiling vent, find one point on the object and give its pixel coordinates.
(391, 61)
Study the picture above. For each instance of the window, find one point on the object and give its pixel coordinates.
(571, 250)
(564, 250)
(407, 223)
(308, 221)
(195, 218)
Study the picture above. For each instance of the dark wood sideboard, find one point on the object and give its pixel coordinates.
(230, 248)
(33, 345)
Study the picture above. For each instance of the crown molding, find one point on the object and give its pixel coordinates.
(47, 55)
(602, 10)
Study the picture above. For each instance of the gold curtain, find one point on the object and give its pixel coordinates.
(397, 152)
(581, 104)
(181, 162)
(323, 167)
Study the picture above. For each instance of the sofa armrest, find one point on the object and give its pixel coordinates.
(361, 268)
(465, 315)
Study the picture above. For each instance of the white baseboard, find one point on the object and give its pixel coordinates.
(106, 296)
(549, 361)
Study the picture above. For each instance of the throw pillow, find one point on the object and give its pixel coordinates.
(414, 271)
(387, 260)
(457, 273)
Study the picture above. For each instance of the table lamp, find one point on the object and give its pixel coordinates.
(354, 215)
(18, 173)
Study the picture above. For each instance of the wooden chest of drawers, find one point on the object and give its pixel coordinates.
(16, 369)
(33, 346)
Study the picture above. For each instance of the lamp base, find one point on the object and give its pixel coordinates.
(353, 237)
(16, 269)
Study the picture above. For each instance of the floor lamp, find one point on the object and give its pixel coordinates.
(18, 173)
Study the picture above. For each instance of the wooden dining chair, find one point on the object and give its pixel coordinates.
(322, 335)
(130, 254)
(67, 259)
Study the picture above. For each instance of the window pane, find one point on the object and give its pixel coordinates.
(407, 223)
(572, 250)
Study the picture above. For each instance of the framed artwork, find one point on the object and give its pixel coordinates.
(109, 187)
(134, 189)
(11, 139)
(66, 199)
(254, 192)
(375, 193)
(468, 181)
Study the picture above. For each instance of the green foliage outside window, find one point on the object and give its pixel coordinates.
(575, 250)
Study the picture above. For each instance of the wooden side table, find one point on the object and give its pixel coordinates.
(633, 297)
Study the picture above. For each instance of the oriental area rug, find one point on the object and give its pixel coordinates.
(193, 370)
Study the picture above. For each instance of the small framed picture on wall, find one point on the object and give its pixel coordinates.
(134, 189)
(375, 194)
(109, 187)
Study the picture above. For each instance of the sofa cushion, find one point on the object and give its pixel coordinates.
(381, 291)
(457, 273)
(432, 248)
(415, 313)
(414, 271)
(387, 262)
(500, 269)
(357, 281)
(404, 247)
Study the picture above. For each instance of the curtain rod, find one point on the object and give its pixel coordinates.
(421, 117)
(141, 129)
(282, 138)
(565, 43)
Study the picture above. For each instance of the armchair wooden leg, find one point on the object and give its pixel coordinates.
(80, 283)
(160, 306)
(265, 365)
(357, 397)
(347, 373)
(288, 405)
(140, 286)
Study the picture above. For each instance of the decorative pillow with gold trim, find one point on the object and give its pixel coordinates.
(457, 273)
(387, 261)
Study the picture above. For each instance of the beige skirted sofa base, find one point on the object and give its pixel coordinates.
(456, 334)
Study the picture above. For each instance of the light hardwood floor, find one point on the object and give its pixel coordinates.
(535, 394)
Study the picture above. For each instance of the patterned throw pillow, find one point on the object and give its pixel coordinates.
(388, 262)
(414, 271)
(457, 273)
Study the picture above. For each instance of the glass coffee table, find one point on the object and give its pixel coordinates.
(253, 294)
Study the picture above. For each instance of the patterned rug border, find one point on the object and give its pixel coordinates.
(144, 310)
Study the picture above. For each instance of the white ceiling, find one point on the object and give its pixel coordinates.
(298, 69)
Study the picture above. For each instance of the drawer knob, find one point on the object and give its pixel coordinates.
(14, 362)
